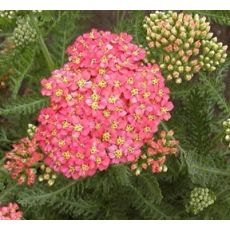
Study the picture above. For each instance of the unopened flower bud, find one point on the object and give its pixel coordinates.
(50, 182)
(227, 137)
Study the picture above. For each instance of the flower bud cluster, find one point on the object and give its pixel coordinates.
(21, 161)
(8, 14)
(24, 33)
(31, 130)
(226, 125)
(199, 199)
(182, 44)
(47, 175)
(155, 152)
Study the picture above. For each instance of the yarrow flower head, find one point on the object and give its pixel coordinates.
(186, 43)
(24, 33)
(155, 152)
(20, 161)
(10, 212)
(105, 104)
(199, 199)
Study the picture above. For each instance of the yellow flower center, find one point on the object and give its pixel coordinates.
(102, 84)
(97, 126)
(71, 169)
(98, 160)
(164, 110)
(112, 99)
(48, 85)
(66, 155)
(78, 127)
(114, 125)
(61, 143)
(117, 83)
(147, 129)
(134, 91)
(81, 83)
(77, 60)
(151, 117)
(118, 153)
(106, 113)
(104, 59)
(65, 80)
(146, 94)
(68, 97)
(142, 106)
(102, 71)
(106, 136)
(65, 124)
(130, 149)
(54, 132)
(137, 117)
(94, 105)
(80, 97)
(91, 35)
(59, 92)
(130, 81)
(161, 92)
(155, 81)
(79, 155)
(84, 167)
(129, 128)
(120, 141)
(93, 150)
(95, 97)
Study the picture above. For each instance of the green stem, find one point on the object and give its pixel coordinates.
(213, 170)
(43, 46)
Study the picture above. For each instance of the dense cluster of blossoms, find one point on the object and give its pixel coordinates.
(21, 161)
(105, 105)
(185, 42)
(154, 153)
(47, 175)
(10, 212)
(8, 14)
(31, 130)
(199, 199)
(226, 125)
(24, 33)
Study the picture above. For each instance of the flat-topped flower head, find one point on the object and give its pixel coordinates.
(105, 104)
(10, 212)
(21, 161)
(185, 42)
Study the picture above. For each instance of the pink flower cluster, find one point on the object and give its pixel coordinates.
(21, 160)
(155, 153)
(10, 212)
(105, 104)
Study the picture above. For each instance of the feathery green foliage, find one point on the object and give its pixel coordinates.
(200, 107)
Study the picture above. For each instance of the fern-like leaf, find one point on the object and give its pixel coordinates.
(23, 105)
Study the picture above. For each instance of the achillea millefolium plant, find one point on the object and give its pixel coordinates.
(92, 128)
